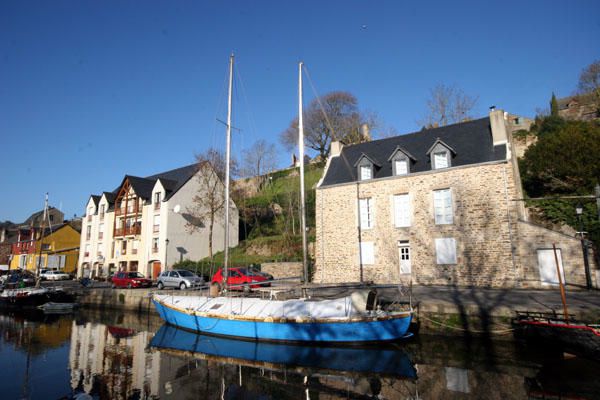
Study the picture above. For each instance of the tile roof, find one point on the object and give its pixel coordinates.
(471, 142)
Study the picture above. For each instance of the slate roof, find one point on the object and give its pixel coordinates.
(171, 180)
(96, 199)
(471, 141)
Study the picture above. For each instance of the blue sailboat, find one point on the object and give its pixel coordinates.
(351, 319)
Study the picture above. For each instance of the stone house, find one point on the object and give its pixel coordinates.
(441, 206)
(141, 225)
(583, 107)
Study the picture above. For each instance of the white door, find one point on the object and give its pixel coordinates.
(404, 257)
(547, 265)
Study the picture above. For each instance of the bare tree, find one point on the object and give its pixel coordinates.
(209, 202)
(259, 159)
(447, 105)
(589, 82)
(589, 79)
(334, 116)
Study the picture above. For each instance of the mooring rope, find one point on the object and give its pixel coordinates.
(504, 331)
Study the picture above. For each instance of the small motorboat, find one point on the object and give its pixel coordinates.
(52, 307)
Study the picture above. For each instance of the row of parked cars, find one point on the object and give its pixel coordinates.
(238, 279)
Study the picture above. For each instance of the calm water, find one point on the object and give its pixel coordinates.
(125, 356)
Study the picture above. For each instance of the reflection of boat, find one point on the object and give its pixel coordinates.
(120, 333)
(33, 297)
(572, 336)
(346, 320)
(378, 360)
(52, 307)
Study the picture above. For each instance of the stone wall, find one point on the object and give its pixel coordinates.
(491, 249)
(282, 269)
(533, 237)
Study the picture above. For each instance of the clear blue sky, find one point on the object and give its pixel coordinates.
(91, 91)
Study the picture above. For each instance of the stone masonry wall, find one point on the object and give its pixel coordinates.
(484, 223)
(533, 237)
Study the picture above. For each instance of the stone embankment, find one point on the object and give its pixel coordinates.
(446, 310)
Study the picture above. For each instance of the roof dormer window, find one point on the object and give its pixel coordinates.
(440, 160)
(366, 167)
(366, 172)
(401, 160)
(441, 155)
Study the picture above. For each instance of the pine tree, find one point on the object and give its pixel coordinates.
(553, 106)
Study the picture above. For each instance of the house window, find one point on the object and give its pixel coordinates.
(445, 250)
(102, 211)
(156, 226)
(100, 231)
(366, 172)
(45, 246)
(366, 213)
(157, 200)
(135, 246)
(99, 250)
(401, 210)
(401, 167)
(442, 205)
(155, 245)
(87, 250)
(367, 253)
(440, 160)
(51, 218)
(88, 232)
(112, 249)
(124, 247)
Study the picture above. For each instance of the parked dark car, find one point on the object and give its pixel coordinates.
(19, 278)
(237, 276)
(130, 280)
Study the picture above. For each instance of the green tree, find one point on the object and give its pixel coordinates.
(564, 161)
(553, 106)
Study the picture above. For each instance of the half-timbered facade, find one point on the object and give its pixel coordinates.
(144, 225)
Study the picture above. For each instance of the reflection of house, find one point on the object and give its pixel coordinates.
(141, 223)
(120, 363)
(439, 206)
(59, 248)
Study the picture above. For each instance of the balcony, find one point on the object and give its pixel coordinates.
(119, 211)
(129, 230)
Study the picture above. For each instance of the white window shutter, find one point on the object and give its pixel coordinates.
(445, 250)
(402, 210)
(366, 210)
(440, 160)
(401, 167)
(367, 252)
(442, 205)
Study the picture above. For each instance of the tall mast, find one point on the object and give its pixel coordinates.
(227, 157)
(301, 151)
(44, 216)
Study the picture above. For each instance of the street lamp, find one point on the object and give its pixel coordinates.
(166, 250)
(586, 263)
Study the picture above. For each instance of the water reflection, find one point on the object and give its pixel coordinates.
(125, 356)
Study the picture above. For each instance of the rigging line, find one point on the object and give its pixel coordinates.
(318, 98)
(219, 107)
(249, 114)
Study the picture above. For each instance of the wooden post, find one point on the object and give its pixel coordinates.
(562, 288)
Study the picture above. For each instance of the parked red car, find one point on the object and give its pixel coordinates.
(130, 280)
(238, 276)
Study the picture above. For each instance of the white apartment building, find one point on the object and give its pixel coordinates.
(141, 225)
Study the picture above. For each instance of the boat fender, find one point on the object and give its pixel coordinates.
(269, 319)
(371, 300)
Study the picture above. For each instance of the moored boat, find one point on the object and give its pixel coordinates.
(343, 320)
(31, 297)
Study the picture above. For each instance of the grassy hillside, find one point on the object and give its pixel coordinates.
(270, 219)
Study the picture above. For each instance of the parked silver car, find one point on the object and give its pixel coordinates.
(181, 278)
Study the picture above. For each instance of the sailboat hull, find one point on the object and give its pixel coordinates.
(355, 330)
